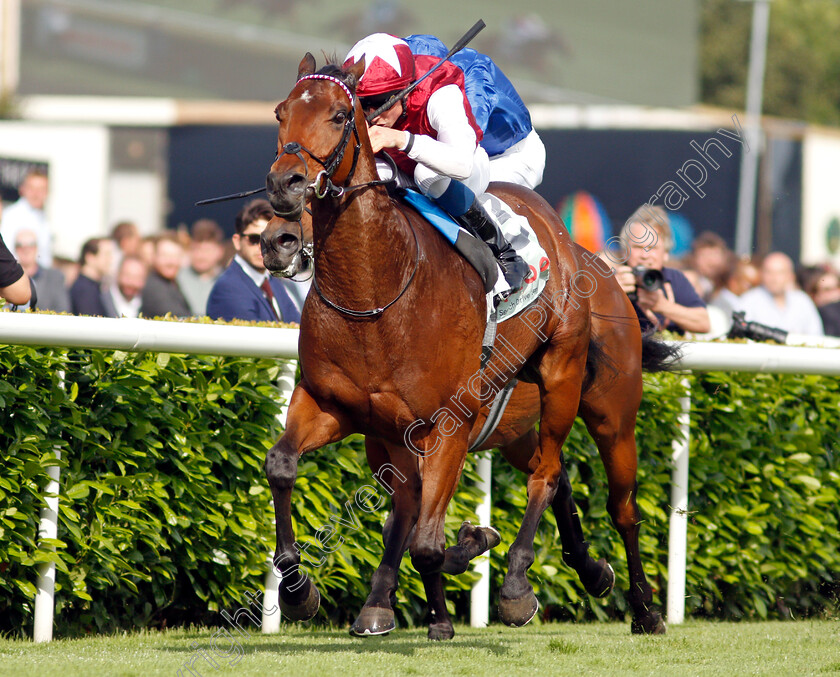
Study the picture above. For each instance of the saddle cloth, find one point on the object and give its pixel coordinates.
(518, 232)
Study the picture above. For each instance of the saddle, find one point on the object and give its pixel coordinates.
(518, 232)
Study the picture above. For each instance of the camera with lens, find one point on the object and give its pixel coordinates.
(755, 331)
(649, 279)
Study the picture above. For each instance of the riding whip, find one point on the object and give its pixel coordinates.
(463, 42)
(224, 198)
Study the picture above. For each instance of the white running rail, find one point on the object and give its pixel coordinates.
(209, 339)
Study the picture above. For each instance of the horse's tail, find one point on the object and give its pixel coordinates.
(597, 359)
(657, 355)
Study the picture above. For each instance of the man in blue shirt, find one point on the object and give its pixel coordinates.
(245, 291)
(676, 307)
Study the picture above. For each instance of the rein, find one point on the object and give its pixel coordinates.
(375, 312)
(323, 186)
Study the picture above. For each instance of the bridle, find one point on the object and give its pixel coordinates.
(323, 185)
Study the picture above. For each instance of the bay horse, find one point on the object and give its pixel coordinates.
(390, 338)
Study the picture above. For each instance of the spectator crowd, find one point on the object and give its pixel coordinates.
(198, 273)
(127, 275)
(770, 289)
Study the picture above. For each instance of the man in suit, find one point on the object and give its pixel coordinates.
(245, 291)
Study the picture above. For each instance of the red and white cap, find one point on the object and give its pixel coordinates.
(389, 64)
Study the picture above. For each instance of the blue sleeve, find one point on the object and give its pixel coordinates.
(480, 84)
(496, 106)
(426, 44)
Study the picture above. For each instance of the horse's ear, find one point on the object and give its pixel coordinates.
(356, 71)
(306, 66)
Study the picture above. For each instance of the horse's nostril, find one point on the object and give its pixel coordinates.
(295, 183)
(287, 241)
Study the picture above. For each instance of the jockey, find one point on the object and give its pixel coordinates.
(517, 153)
(433, 137)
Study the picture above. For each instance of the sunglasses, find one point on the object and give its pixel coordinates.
(21, 245)
(253, 238)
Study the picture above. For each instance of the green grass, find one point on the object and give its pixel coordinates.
(696, 648)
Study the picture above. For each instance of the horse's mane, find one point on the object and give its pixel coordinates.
(334, 69)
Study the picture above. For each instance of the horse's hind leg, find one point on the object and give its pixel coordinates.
(561, 371)
(611, 420)
(473, 541)
(396, 472)
(597, 578)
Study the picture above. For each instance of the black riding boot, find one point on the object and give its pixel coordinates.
(477, 220)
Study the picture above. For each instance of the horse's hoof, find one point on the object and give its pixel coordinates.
(518, 612)
(492, 538)
(652, 624)
(606, 581)
(304, 611)
(439, 631)
(373, 621)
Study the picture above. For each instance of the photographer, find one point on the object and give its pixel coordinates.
(669, 302)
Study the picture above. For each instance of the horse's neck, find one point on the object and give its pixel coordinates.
(364, 248)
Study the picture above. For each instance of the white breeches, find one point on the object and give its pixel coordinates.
(433, 184)
(523, 163)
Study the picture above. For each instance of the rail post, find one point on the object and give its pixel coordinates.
(480, 594)
(678, 528)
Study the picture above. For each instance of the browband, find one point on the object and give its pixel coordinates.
(319, 76)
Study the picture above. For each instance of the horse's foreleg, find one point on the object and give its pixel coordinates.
(560, 397)
(398, 475)
(308, 427)
(598, 577)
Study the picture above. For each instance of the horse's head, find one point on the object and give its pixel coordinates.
(287, 246)
(318, 121)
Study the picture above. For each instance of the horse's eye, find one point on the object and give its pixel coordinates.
(340, 117)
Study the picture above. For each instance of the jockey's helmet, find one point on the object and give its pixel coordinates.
(389, 64)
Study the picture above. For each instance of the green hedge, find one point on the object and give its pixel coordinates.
(165, 513)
